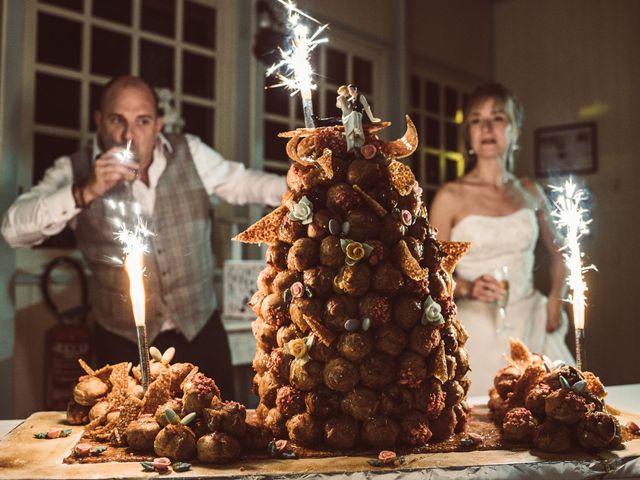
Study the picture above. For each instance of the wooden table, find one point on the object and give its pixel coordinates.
(22, 456)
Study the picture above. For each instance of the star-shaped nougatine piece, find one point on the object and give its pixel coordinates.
(264, 230)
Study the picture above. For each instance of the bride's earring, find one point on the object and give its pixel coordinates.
(472, 151)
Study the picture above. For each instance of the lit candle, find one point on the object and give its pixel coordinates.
(570, 216)
(135, 269)
(298, 75)
(134, 247)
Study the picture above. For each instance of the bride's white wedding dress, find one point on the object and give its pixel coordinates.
(508, 241)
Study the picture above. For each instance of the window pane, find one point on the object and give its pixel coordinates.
(451, 172)
(330, 109)
(115, 10)
(276, 99)
(156, 64)
(450, 102)
(46, 149)
(414, 162)
(432, 99)
(415, 91)
(336, 66)
(59, 41)
(432, 134)
(200, 24)
(433, 169)
(363, 74)
(57, 101)
(451, 137)
(465, 101)
(95, 91)
(198, 75)
(70, 4)
(110, 53)
(416, 118)
(274, 146)
(159, 16)
(428, 197)
(199, 121)
(298, 105)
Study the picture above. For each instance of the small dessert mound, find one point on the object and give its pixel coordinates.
(551, 406)
(180, 417)
(358, 345)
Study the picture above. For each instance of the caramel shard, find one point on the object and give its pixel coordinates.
(129, 412)
(326, 163)
(594, 385)
(454, 252)
(401, 177)
(438, 364)
(461, 332)
(407, 263)
(119, 380)
(372, 202)
(325, 335)
(158, 393)
(292, 149)
(264, 230)
(405, 145)
(86, 367)
(520, 354)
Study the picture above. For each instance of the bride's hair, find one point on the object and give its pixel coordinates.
(503, 98)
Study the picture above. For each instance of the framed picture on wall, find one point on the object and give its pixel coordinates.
(565, 149)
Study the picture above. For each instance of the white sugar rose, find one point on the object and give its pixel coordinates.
(302, 211)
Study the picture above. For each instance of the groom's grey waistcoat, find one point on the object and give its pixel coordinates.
(179, 266)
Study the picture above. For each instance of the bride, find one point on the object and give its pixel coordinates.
(502, 216)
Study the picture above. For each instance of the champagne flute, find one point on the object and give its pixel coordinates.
(502, 276)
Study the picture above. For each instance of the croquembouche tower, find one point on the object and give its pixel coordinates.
(357, 338)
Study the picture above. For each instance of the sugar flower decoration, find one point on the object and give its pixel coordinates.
(299, 348)
(432, 313)
(355, 251)
(302, 211)
(368, 151)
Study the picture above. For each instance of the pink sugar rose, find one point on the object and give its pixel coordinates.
(368, 151)
(297, 290)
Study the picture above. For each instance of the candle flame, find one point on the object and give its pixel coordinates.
(298, 73)
(571, 217)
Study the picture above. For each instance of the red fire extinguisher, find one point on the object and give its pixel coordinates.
(65, 342)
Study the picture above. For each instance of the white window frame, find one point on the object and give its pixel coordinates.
(460, 81)
(352, 45)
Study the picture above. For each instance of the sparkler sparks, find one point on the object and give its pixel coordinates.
(571, 217)
(298, 73)
(132, 233)
(134, 245)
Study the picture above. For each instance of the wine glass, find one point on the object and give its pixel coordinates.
(502, 276)
(128, 154)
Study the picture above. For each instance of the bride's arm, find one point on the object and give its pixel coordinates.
(443, 210)
(552, 242)
(446, 207)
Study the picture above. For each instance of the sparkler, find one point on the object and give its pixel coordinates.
(570, 216)
(298, 73)
(134, 246)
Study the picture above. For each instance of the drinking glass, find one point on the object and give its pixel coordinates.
(502, 276)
